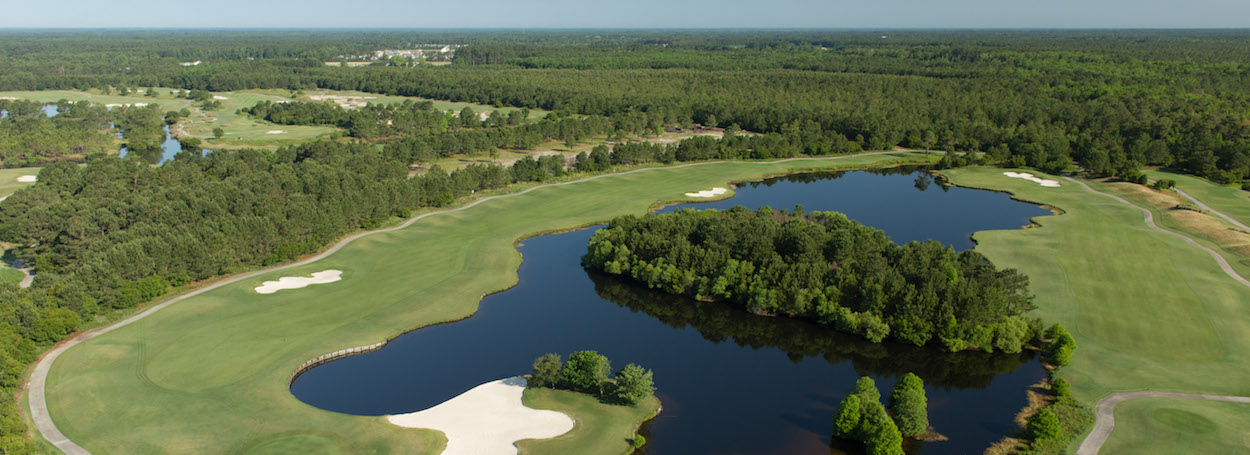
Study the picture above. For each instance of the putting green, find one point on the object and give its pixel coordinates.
(1179, 426)
(1148, 310)
(210, 373)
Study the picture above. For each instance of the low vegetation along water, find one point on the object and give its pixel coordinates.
(730, 382)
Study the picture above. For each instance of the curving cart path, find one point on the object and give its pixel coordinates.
(39, 375)
(1105, 414)
(1105, 409)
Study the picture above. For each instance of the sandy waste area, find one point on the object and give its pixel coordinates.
(487, 420)
(709, 193)
(27, 178)
(296, 282)
(1027, 176)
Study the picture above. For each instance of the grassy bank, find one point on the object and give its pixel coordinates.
(210, 373)
(597, 428)
(1148, 310)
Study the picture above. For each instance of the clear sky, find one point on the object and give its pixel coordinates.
(629, 13)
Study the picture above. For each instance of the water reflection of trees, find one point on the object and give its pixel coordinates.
(719, 323)
(809, 177)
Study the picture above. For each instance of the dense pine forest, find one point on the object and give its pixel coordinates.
(108, 234)
(1110, 100)
(823, 267)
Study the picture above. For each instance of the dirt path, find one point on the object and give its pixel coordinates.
(39, 375)
(1105, 413)
(1150, 222)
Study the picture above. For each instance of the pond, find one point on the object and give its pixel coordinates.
(166, 153)
(730, 382)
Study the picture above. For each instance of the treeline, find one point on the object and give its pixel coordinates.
(1112, 101)
(28, 137)
(826, 268)
(587, 371)
(374, 121)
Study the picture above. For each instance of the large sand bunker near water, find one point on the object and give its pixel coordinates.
(709, 193)
(296, 282)
(487, 419)
(1031, 178)
(27, 178)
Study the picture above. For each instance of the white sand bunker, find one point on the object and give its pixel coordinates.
(1031, 178)
(216, 97)
(275, 132)
(709, 193)
(487, 419)
(296, 282)
(27, 178)
(10, 98)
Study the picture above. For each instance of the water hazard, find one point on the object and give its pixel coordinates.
(730, 382)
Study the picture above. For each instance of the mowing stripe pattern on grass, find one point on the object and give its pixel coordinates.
(1150, 222)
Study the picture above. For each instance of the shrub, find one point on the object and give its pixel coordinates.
(1044, 425)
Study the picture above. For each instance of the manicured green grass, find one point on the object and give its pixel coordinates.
(210, 373)
(241, 130)
(1179, 426)
(597, 428)
(1228, 199)
(166, 101)
(8, 179)
(1147, 309)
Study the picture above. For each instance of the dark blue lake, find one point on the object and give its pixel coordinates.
(730, 381)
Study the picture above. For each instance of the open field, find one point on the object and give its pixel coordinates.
(242, 131)
(1148, 310)
(1180, 426)
(597, 428)
(8, 179)
(210, 373)
(389, 99)
(165, 100)
(507, 157)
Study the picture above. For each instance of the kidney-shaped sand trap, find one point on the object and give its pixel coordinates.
(487, 419)
(27, 178)
(709, 193)
(296, 282)
(1031, 178)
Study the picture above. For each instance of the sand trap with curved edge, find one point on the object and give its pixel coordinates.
(709, 193)
(217, 97)
(27, 178)
(296, 282)
(275, 132)
(1027, 176)
(487, 419)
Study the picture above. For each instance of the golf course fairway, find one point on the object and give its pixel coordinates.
(209, 373)
(1148, 310)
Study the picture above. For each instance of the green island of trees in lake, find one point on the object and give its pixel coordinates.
(823, 267)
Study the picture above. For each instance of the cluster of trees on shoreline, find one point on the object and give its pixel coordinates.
(861, 416)
(826, 268)
(28, 137)
(587, 371)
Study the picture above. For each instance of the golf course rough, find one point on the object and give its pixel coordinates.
(211, 373)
